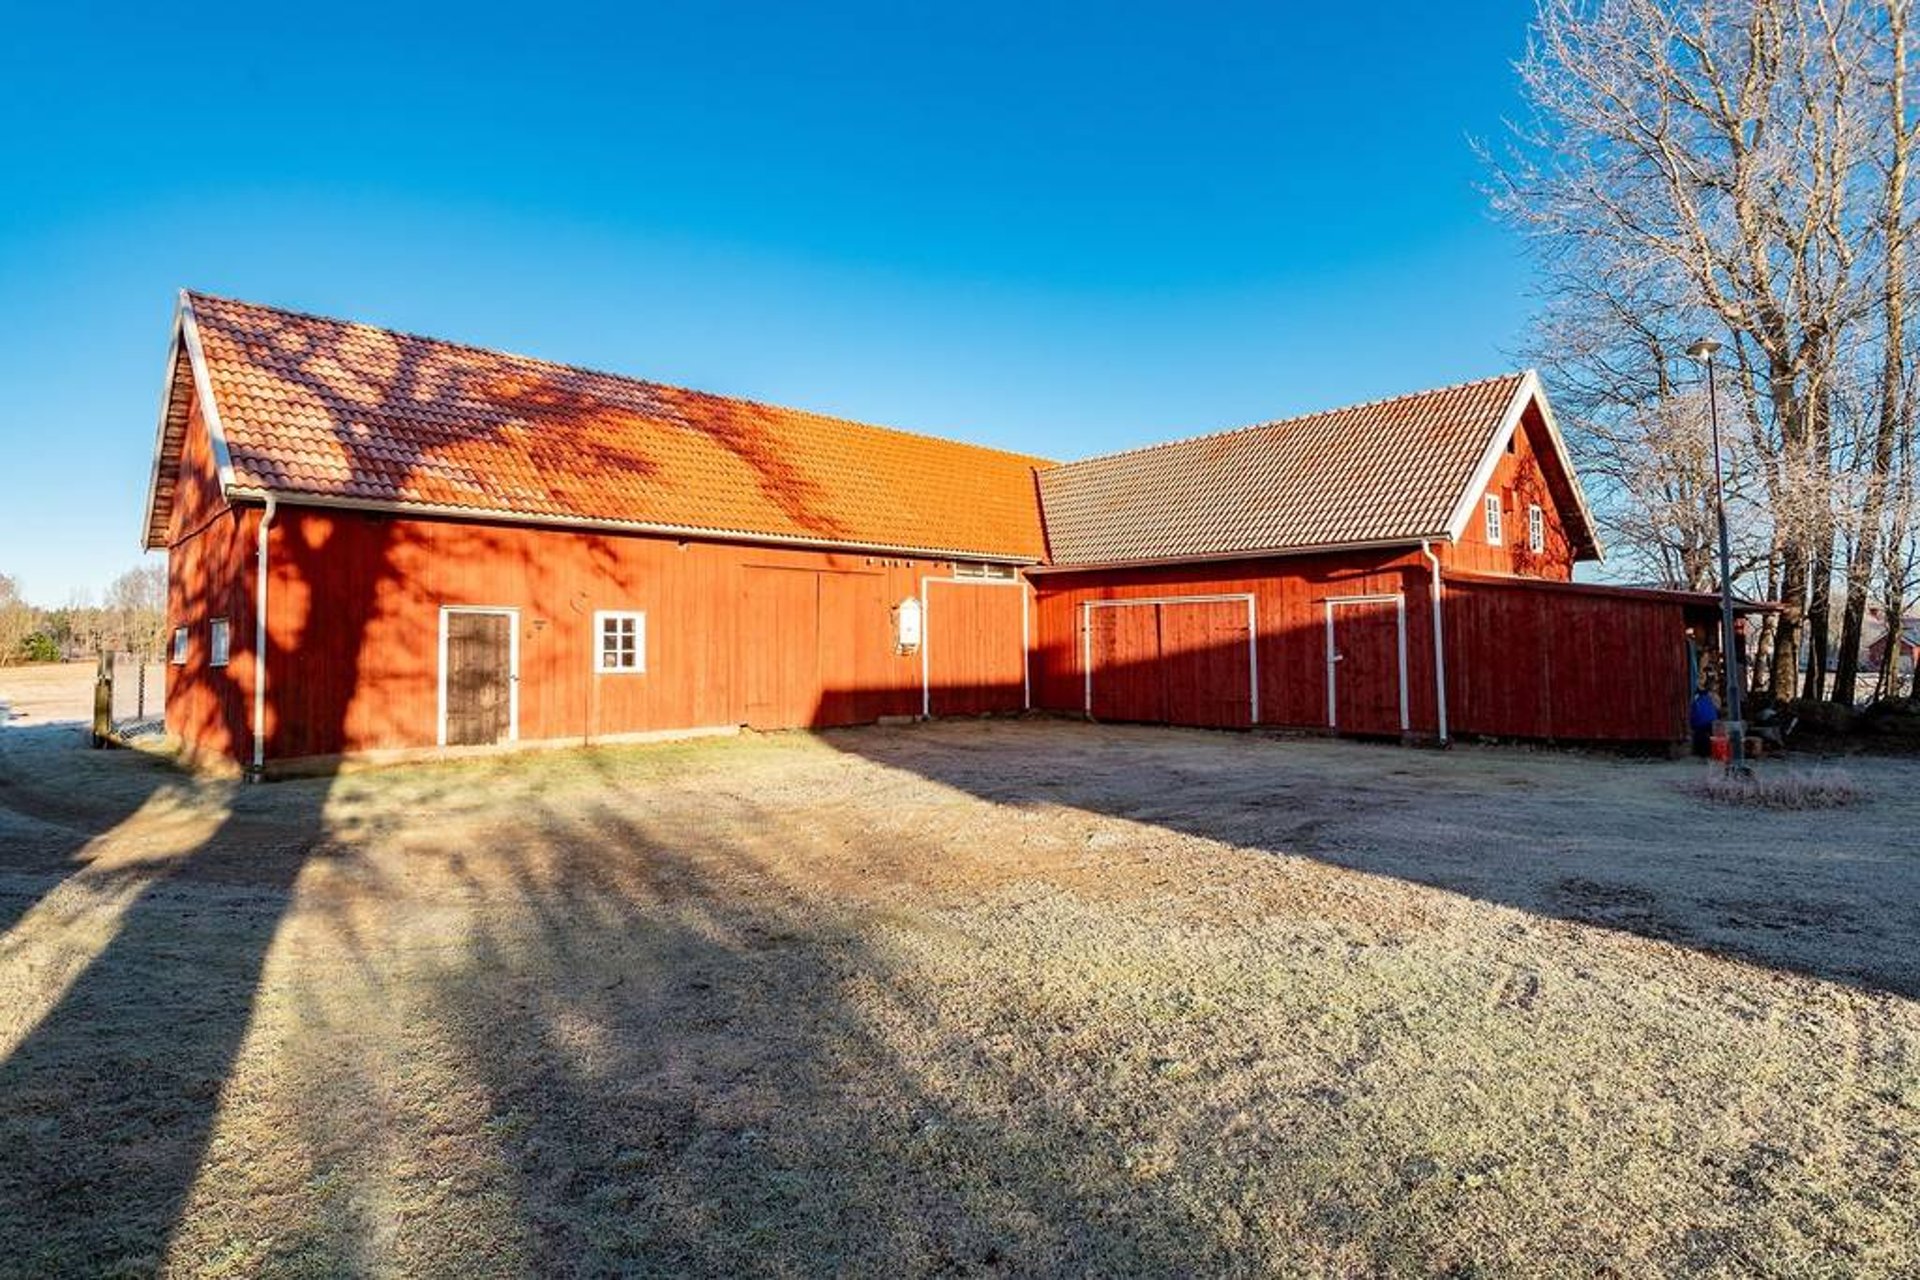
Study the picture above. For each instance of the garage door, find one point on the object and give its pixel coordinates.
(813, 648)
(1186, 660)
(976, 647)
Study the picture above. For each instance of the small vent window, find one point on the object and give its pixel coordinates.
(976, 569)
(179, 646)
(220, 643)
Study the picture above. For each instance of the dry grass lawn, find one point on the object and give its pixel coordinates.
(1032, 998)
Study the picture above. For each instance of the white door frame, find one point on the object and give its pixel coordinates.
(926, 635)
(1253, 648)
(1399, 602)
(513, 665)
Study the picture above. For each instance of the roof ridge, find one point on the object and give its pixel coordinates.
(1297, 417)
(1041, 463)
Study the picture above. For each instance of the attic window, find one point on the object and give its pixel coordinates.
(1493, 519)
(1536, 528)
(1512, 443)
(975, 569)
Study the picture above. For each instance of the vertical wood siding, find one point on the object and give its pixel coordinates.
(735, 634)
(210, 562)
(1542, 663)
(1290, 595)
(976, 647)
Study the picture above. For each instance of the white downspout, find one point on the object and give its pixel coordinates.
(260, 647)
(1439, 641)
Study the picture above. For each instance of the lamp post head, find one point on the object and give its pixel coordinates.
(1703, 348)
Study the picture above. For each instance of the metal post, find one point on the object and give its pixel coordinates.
(1730, 654)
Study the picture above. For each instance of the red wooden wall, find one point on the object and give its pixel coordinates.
(1580, 665)
(1290, 616)
(735, 634)
(209, 575)
(976, 646)
(1528, 474)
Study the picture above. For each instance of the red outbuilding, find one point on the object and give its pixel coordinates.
(385, 542)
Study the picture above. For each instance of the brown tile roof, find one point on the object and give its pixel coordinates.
(330, 410)
(1392, 470)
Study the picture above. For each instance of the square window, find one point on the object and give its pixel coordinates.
(179, 646)
(220, 645)
(1536, 529)
(620, 642)
(1493, 519)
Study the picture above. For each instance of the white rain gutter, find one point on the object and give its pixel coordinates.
(260, 645)
(1439, 641)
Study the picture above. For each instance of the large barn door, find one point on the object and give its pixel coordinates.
(780, 649)
(1172, 661)
(479, 677)
(812, 647)
(975, 646)
(1367, 664)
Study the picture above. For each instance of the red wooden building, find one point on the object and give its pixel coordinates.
(380, 541)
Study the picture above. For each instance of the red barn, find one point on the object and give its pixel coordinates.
(379, 541)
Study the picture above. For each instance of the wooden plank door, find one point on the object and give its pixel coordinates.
(1207, 663)
(479, 678)
(855, 630)
(1124, 652)
(1366, 665)
(780, 649)
(976, 648)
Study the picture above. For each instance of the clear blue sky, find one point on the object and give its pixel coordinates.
(1066, 230)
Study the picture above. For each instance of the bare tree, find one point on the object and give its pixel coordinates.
(17, 620)
(1738, 166)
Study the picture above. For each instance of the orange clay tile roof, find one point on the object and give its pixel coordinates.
(329, 410)
(1390, 471)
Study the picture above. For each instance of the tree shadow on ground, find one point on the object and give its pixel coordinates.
(1591, 839)
(688, 1065)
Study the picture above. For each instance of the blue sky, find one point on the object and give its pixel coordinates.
(1063, 229)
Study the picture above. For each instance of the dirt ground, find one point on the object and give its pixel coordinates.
(1024, 997)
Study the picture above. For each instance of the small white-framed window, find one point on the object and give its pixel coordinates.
(179, 646)
(1536, 528)
(979, 569)
(620, 641)
(1493, 519)
(219, 643)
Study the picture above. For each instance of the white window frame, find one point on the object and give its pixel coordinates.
(601, 618)
(219, 642)
(1536, 528)
(1494, 515)
(180, 643)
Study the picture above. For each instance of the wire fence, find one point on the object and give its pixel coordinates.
(133, 694)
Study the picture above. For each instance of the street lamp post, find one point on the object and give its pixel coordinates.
(1702, 350)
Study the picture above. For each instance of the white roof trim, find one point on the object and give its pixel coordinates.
(190, 330)
(443, 511)
(1528, 392)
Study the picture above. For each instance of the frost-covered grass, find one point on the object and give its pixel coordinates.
(1821, 787)
(1033, 999)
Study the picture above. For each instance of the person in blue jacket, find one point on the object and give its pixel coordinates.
(1700, 717)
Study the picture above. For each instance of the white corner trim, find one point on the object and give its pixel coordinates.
(203, 386)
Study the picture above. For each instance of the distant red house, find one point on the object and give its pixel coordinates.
(380, 541)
